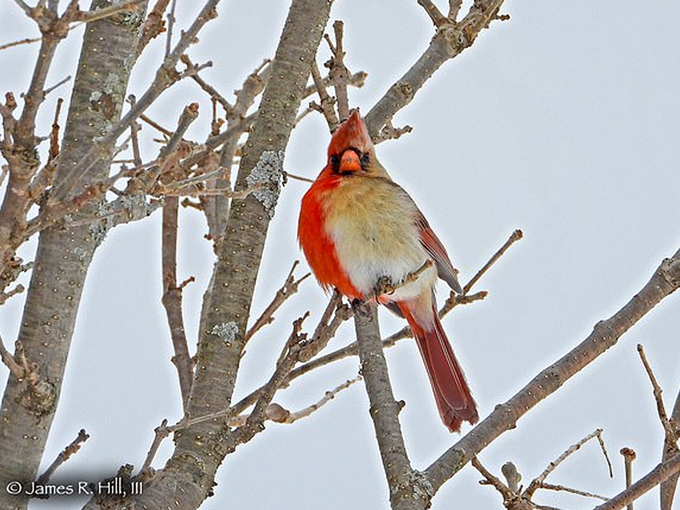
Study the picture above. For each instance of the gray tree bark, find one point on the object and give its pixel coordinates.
(64, 253)
(201, 448)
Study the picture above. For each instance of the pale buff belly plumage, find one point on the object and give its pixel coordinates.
(373, 241)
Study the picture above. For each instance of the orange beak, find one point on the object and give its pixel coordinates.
(349, 162)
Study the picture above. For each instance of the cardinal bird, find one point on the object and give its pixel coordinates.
(359, 228)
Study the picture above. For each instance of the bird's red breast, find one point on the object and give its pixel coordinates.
(315, 240)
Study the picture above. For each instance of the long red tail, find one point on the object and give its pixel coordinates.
(451, 392)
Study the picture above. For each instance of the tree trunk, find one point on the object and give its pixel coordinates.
(64, 252)
(200, 449)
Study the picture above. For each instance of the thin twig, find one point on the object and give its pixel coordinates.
(289, 287)
(658, 392)
(671, 449)
(338, 73)
(134, 130)
(326, 102)
(279, 414)
(299, 177)
(492, 480)
(628, 458)
(155, 125)
(160, 433)
(537, 482)
(562, 488)
(171, 25)
(19, 42)
(63, 456)
(172, 293)
(514, 237)
(16, 369)
(659, 474)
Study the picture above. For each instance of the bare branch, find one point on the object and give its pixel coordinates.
(171, 25)
(539, 481)
(658, 394)
(670, 450)
(408, 488)
(160, 433)
(514, 237)
(134, 136)
(327, 103)
(495, 482)
(434, 13)
(562, 488)
(628, 457)
(665, 281)
(16, 369)
(279, 414)
(338, 73)
(19, 42)
(63, 456)
(172, 293)
(659, 474)
(289, 287)
(154, 24)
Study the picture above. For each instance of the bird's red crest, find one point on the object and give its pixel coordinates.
(351, 133)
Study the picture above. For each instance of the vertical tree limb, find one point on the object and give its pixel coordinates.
(172, 292)
(669, 486)
(64, 254)
(409, 490)
(201, 448)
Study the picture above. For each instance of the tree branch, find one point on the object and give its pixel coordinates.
(200, 449)
(659, 474)
(450, 39)
(664, 281)
(408, 488)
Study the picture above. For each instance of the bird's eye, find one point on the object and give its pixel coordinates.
(365, 159)
(335, 162)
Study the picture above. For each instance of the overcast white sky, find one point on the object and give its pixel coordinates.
(562, 122)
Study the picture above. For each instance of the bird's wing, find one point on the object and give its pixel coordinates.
(436, 250)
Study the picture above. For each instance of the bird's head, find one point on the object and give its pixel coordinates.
(351, 150)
